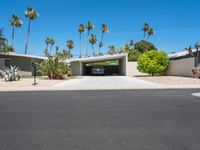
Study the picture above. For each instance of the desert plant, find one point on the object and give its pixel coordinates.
(12, 73)
(55, 67)
(153, 62)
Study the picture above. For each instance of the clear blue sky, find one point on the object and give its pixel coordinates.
(177, 22)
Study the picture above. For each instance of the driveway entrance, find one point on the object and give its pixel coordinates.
(105, 82)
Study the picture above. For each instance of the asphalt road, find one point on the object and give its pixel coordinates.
(100, 120)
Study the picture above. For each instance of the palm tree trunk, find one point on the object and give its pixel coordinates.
(101, 41)
(27, 40)
(93, 49)
(69, 53)
(87, 43)
(144, 35)
(13, 36)
(50, 49)
(80, 46)
(148, 37)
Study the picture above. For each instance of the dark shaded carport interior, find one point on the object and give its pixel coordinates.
(81, 67)
(109, 68)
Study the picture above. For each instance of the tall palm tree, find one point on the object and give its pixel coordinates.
(31, 14)
(81, 30)
(132, 43)
(104, 29)
(70, 46)
(3, 40)
(145, 29)
(47, 41)
(15, 21)
(150, 32)
(51, 42)
(93, 40)
(89, 27)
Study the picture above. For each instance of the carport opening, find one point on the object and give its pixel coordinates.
(108, 68)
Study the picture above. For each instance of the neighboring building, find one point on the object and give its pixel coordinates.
(181, 63)
(24, 62)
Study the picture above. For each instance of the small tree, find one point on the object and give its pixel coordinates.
(153, 62)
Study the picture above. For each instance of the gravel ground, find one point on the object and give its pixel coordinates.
(27, 83)
(171, 80)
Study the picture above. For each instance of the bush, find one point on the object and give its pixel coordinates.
(55, 67)
(153, 62)
(143, 46)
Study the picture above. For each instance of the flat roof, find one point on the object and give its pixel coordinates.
(100, 58)
(180, 54)
(22, 55)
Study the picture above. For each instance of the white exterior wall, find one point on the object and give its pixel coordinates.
(76, 68)
(180, 67)
(132, 69)
(123, 66)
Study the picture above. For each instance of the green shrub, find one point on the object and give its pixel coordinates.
(153, 62)
(55, 67)
(133, 55)
(143, 46)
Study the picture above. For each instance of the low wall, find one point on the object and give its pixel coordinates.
(180, 67)
(132, 69)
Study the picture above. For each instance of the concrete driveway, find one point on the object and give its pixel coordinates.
(105, 82)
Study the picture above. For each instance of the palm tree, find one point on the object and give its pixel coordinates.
(57, 49)
(51, 42)
(112, 49)
(47, 41)
(66, 53)
(93, 40)
(89, 27)
(150, 32)
(81, 30)
(3, 40)
(31, 14)
(104, 29)
(15, 21)
(145, 29)
(70, 45)
(132, 43)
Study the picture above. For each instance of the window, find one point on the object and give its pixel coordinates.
(7, 63)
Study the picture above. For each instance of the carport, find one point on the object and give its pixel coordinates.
(78, 66)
